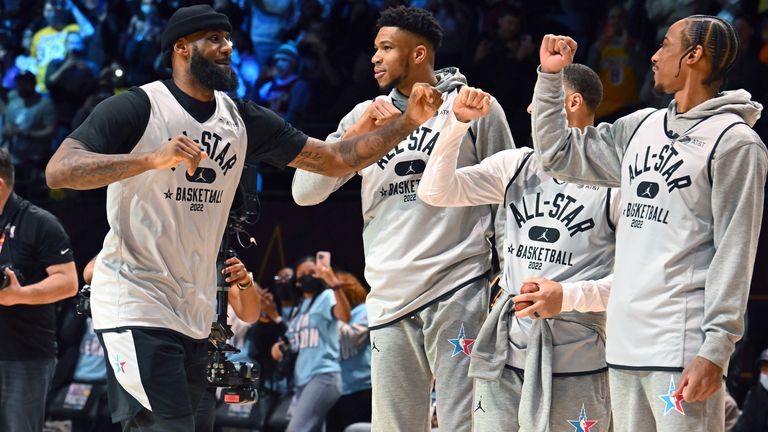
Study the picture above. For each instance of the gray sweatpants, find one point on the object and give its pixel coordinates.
(435, 342)
(641, 403)
(496, 403)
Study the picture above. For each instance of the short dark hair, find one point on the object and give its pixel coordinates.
(7, 172)
(582, 79)
(719, 40)
(415, 20)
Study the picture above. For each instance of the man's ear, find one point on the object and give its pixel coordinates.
(695, 55)
(574, 102)
(182, 47)
(419, 54)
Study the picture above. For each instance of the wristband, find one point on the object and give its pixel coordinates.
(248, 285)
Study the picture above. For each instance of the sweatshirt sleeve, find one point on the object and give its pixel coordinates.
(587, 296)
(738, 189)
(310, 188)
(443, 185)
(568, 154)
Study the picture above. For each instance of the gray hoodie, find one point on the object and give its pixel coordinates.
(688, 299)
(415, 253)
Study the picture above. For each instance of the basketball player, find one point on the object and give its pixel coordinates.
(427, 266)
(172, 153)
(554, 229)
(692, 183)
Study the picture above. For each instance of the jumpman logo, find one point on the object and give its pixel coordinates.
(647, 191)
(410, 169)
(374, 347)
(543, 235)
(200, 176)
(479, 405)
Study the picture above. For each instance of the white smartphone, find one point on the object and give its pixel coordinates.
(323, 258)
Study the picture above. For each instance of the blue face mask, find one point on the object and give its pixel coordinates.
(764, 380)
(146, 9)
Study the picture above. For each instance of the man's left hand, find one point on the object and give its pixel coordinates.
(471, 104)
(700, 380)
(237, 272)
(422, 103)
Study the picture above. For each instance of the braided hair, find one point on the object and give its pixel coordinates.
(719, 40)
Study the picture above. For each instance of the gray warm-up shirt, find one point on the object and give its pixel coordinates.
(692, 190)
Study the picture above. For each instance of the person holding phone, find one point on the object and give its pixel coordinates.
(313, 336)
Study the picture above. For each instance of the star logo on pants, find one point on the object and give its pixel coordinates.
(119, 365)
(461, 344)
(672, 402)
(582, 424)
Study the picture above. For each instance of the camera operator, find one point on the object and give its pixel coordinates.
(313, 332)
(37, 270)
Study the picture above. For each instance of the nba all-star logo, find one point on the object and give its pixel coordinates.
(582, 424)
(672, 402)
(119, 365)
(461, 344)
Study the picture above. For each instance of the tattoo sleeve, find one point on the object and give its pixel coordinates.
(74, 167)
(352, 154)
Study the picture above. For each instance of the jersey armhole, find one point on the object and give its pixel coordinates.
(714, 147)
(635, 132)
(608, 210)
(517, 173)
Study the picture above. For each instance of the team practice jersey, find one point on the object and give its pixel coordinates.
(557, 230)
(414, 252)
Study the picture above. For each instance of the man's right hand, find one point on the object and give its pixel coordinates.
(379, 113)
(422, 104)
(556, 52)
(177, 150)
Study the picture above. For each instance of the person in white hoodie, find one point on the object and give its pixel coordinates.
(427, 266)
(539, 374)
(692, 182)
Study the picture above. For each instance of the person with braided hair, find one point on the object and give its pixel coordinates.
(692, 182)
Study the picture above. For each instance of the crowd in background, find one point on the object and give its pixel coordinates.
(309, 61)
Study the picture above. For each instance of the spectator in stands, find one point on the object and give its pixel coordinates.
(354, 340)
(28, 130)
(142, 47)
(754, 413)
(287, 93)
(70, 81)
(269, 20)
(314, 337)
(38, 270)
(49, 43)
(621, 61)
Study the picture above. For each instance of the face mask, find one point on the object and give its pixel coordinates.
(310, 284)
(284, 290)
(764, 380)
(146, 9)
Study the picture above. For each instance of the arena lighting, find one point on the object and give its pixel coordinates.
(118, 73)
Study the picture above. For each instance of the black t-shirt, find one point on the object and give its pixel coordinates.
(34, 240)
(118, 123)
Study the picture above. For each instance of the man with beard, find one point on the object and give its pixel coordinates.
(172, 153)
(427, 266)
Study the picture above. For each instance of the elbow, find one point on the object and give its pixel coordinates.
(430, 197)
(53, 177)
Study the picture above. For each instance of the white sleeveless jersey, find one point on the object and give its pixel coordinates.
(415, 252)
(158, 264)
(665, 244)
(561, 231)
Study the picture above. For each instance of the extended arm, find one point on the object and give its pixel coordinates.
(344, 157)
(589, 157)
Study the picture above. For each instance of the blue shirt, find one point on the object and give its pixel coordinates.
(355, 352)
(314, 333)
(90, 364)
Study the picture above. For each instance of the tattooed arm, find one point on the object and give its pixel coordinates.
(73, 166)
(344, 157)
